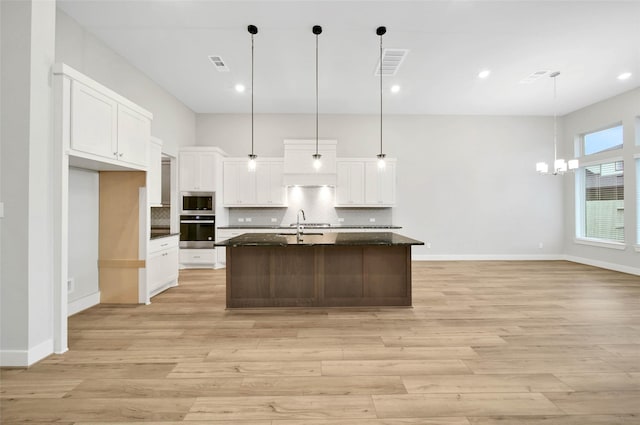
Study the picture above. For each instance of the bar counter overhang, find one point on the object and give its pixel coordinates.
(318, 270)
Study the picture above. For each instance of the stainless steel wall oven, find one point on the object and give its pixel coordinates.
(197, 231)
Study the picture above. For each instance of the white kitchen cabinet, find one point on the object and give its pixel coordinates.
(350, 183)
(197, 171)
(134, 136)
(263, 187)
(360, 183)
(380, 185)
(270, 190)
(101, 130)
(197, 258)
(239, 184)
(154, 173)
(94, 121)
(162, 264)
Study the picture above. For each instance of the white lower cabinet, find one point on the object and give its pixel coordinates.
(162, 264)
(197, 258)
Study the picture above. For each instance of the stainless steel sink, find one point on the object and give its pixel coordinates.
(301, 234)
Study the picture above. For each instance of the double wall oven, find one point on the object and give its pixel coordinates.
(197, 220)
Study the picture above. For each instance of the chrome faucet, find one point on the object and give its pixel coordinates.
(298, 221)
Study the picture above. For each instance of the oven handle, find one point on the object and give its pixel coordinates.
(198, 221)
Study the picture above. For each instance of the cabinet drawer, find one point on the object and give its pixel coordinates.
(160, 244)
(197, 256)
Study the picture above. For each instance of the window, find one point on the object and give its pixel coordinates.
(602, 140)
(604, 201)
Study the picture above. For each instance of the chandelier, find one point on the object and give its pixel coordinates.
(560, 166)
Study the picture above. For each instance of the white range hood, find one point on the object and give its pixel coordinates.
(298, 163)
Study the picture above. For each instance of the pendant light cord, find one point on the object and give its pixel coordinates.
(316, 94)
(555, 120)
(380, 70)
(252, 94)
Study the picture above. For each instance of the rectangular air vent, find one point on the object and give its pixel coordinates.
(533, 77)
(219, 63)
(391, 61)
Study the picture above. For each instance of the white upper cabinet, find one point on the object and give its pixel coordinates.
(270, 188)
(239, 184)
(360, 183)
(94, 122)
(197, 171)
(260, 188)
(154, 173)
(101, 130)
(380, 184)
(350, 183)
(134, 136)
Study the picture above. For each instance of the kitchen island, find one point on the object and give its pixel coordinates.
(318, 269)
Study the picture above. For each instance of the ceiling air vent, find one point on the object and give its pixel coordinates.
(219, 63)
(391, 61)
(533, 77)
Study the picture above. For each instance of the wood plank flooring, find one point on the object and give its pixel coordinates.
(486, 343)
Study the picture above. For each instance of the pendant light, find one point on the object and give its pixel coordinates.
(253, 30)
(380, 31)
(317, 30)
(560, 166)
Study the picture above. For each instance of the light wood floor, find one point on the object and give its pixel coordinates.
(487, 343)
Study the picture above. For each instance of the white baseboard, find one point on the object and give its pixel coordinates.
(491, 257)
(24, 358)
(604, 265)
(83, 303)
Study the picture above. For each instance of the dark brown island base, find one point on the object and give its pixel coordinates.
(318, 270)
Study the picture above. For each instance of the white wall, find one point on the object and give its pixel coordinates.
(466, 184)
(83, 232)
(173, 122)
(623, 108)
(26, 331)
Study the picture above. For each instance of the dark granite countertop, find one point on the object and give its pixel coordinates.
(318, 238)
(331, 226)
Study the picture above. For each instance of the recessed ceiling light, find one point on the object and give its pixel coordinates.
(395, 88)
(240, 88)
(624, 76)
(484, 73)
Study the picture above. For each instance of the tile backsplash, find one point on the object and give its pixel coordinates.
(160, 216)
(318, 205)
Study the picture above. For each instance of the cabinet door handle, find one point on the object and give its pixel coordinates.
(196, 256)
(164, 244)
(120, 155)
(115, 154)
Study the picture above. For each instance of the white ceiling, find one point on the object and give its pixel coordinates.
(449, 42)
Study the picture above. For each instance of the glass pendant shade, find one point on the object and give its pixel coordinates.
(381, 162)
(560, 166)
(252, 162)
(317, 163)
(574, 164)
(542, 167)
